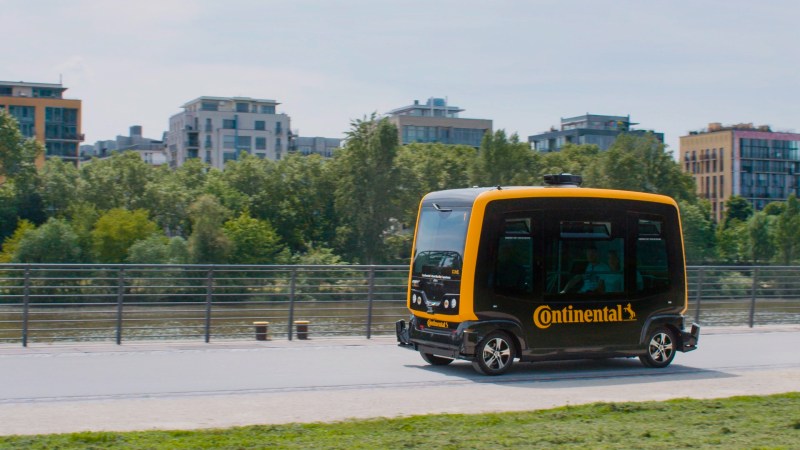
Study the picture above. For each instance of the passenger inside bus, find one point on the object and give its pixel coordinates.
(592, 278)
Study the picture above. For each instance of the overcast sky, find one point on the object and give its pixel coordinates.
(673, 66)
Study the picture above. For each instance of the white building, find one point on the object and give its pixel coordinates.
(152, 151)
(220, 129)
(319, 145)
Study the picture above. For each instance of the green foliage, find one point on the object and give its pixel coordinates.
(53, 242)
(11, 243)
(60, 187)
(367, 187)
(158, 249)
(116, 182)
(732, 242)
(118, 229)
(787, 231)
(504, 161)
(424, 168)
(737, 208)
(208, 244)
(641, 163)
(762, 245)
(17, 154)
(254, 241)
(699, 237)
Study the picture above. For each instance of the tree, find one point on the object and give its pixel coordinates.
(737, 208)
(641, 163)
(576, 159)
(699, 237)
(787, 231)
(11, 243)
(53, 242)
(366, 193)
(430, 167)
(299, 201)
(158, 249)
(118, 229)
(759, 227)
(733, 242)
(116, 182)
(255, 241)
(60, 186)
(504, 161)
(208, 244)
(17, 154)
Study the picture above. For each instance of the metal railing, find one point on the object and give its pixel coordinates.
(50, 303)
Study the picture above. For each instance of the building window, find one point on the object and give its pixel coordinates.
(261, 143)
(242, 107)
(260, 125)
(229, 141)
(267, 109)
(244, 142)
(209, 106)
(229, 124)
(208, 125)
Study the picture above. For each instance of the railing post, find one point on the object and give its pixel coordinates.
(698, 294)
(291, 301)
(370, 294)
(209, 297)
(26, 293)
(120, 301)
(753, 297)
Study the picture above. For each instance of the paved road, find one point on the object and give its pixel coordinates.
(66, 388)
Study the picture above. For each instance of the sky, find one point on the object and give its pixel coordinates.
(673, 66)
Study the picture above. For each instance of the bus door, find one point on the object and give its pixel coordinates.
(586, 303)
(512, 274)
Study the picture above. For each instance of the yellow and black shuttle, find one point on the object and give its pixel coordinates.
(546, 273)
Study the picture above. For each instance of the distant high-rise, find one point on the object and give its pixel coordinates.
(756, 163)
(221, 129)
(436, 121)
(44, 114)
(595, 129)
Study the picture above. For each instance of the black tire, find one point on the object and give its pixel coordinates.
(494, 354)
(661, 348)
(435, 360)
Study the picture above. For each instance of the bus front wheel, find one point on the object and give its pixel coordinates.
(494, 354)
(434, 360)
(660, 348)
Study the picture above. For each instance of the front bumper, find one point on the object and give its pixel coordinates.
(450, 343)
(690, 338)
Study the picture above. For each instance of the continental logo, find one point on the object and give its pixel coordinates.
(544, 316)
(438, 323)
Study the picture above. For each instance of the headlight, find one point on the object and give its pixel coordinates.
(446, 304)
(454, 303)
(413, 298)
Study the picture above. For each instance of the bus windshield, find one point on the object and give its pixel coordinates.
(440, 242)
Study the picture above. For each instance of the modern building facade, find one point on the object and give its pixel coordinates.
(755, 163)
(436, 121)
(221, 129)
(45, 115)
(595, 129)
(316, 145)
(152, 151)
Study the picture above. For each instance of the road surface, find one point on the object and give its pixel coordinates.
(160, 385)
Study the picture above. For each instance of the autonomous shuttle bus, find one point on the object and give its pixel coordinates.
(546, 273)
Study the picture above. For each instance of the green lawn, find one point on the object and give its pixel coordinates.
(738, 422)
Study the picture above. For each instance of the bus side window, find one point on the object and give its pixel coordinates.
(514, 258)
(651, 257)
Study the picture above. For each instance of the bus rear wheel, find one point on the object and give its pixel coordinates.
(434, 360)
(660, 348)
(494, 354)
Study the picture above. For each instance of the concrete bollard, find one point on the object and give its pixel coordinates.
(302, 328)
(262, 331)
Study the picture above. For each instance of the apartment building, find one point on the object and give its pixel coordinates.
(756, 163)
(45, 115)
(595, 129)
(152, 151)
(222, 129)
(436, 121)
(316, 145)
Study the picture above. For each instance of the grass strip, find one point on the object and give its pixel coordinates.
(737, 422)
